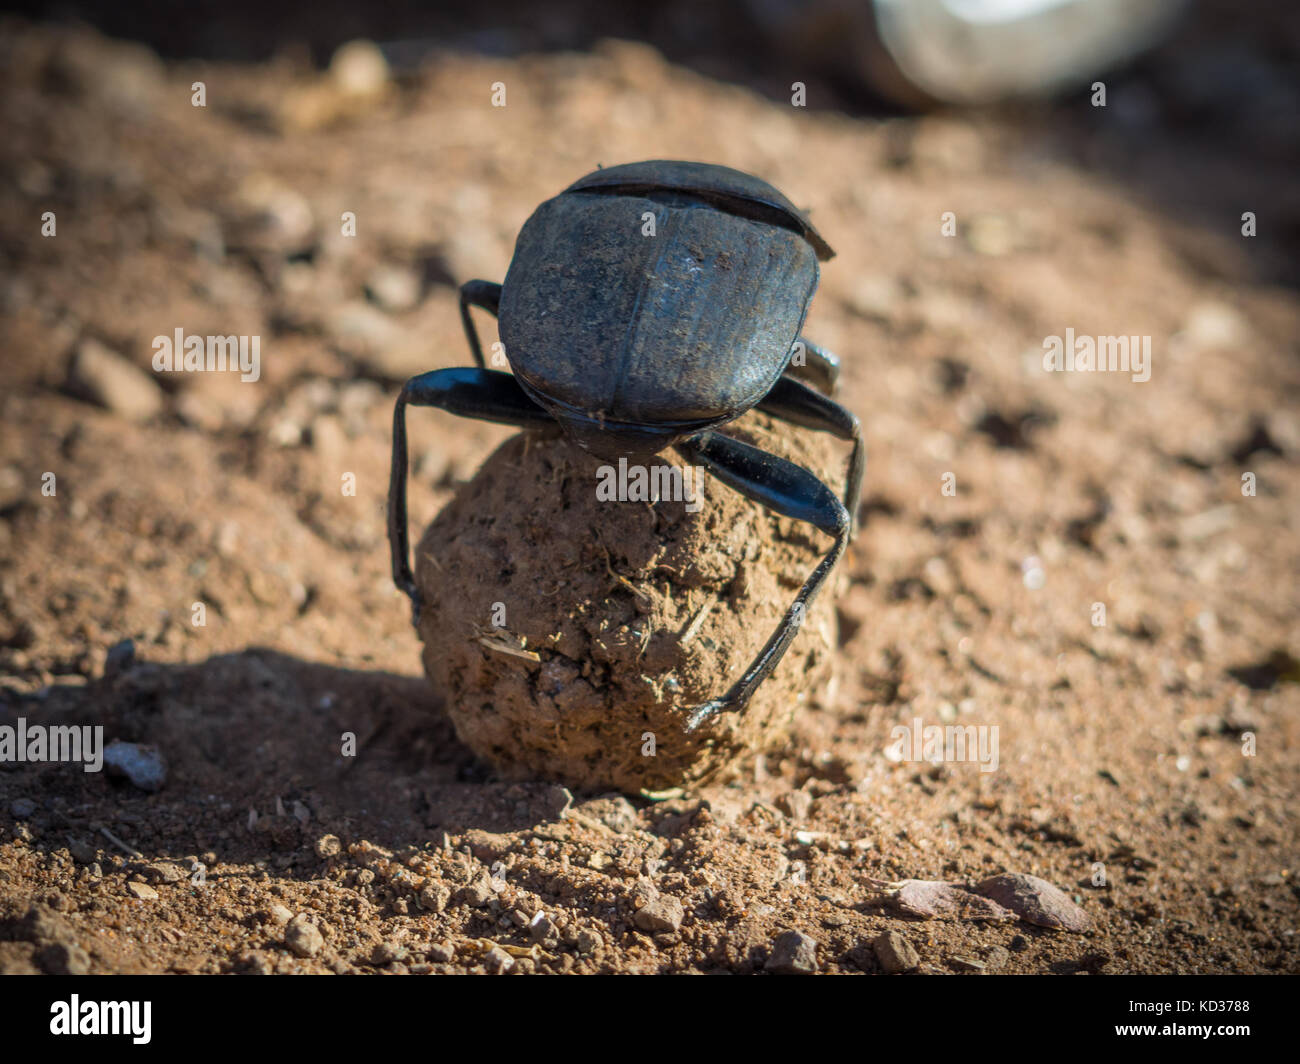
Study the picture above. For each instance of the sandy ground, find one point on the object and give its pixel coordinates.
(1067, 558)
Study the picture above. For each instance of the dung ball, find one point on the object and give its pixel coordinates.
(572, 634)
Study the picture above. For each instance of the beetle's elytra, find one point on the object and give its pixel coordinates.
(637, 337)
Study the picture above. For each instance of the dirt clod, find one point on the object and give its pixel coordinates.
(574, 635)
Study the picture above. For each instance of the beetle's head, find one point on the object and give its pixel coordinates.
(609, 440)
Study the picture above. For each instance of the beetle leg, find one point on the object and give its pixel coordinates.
(787, 489)
(794, 401)
(820, 367)
(485, 294)
(466, 392)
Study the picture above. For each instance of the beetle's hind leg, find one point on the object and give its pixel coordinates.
(787, 489)
(794, 401)
(485, 294)
(818, 367)
(466, 392)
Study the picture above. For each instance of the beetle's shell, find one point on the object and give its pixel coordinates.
(687, 327)
(733, 190)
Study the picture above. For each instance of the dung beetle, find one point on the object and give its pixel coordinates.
(646, 306)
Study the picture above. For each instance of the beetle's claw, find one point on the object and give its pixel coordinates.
(705, 712)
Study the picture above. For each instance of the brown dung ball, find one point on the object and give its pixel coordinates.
(571, 636)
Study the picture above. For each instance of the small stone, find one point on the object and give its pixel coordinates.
(266, 215)
(393, 288)
(359, 69)
(996, 958)
(142, 891)
(966, 964)
(895, 953)
(142, 765)
(303, 937)
(279, 915)
(442, 953)
(164, 872)
(793, 953)
(105, 377)
(434, 897)
(328, 846)
(13, 489)
(498, 961)
(541, 928)
(1035, 901)
(935, 898)
(663, 914)
(63, 958)
(22, 808)
(386, 953)
(478, 893)
(588, 941)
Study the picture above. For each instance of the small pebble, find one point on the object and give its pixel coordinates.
(793, 953)
(895, 953)
(303, 937)
(663, 914)
(386, 953)
(1035, 901)
(142, 891)
(142, 765)
(106, 378)
(541, 928)
(393, 288)
(498, 961)
(328, 846)
(478, 893)
(163, 872)
(966, 964)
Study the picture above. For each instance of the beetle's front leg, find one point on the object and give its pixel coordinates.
(795, 402)
(485, 294)
(787, 489)
(477, 393)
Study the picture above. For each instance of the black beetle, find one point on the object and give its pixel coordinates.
(634, 343)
